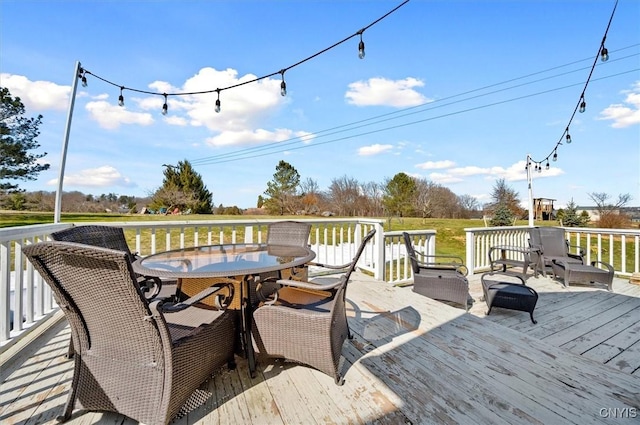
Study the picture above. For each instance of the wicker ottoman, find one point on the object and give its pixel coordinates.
(504, 294)
(584, 273)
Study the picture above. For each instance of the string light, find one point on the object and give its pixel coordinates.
(581, 106)
(283, 85)
(82, 74)
(165, 107)
(121, 97)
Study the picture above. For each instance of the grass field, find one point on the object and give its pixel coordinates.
(450, 232)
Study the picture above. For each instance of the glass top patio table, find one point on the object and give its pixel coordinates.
(229, 260)
(223, 260)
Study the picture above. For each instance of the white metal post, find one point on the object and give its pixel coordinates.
(531, 224)
(65, 144)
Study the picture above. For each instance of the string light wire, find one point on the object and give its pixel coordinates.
(602, 54)
(84, 72)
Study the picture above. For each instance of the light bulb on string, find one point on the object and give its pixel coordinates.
(361, 47)
(283, 85)
(539, 168)
(604, 54)
(583, 105)
(568, 137)
(165, 107)
(218, 101)
(84, 78)
(547, 166)
(555, 156)
(121, 98)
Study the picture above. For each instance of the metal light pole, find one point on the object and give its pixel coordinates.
(65, 144)
(531, 224)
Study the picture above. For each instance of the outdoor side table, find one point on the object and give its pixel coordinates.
(501, 293)
(583, 273)
(514, 256)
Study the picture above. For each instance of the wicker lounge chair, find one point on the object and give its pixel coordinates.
(551, 245)
(132, 357)
(306, 322)
(113, 238)
(440, 277)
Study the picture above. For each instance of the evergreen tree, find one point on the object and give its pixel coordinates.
(398, 195)
(571, 218)
(282, 191)
(502, 216)
(17, 137)
(184, 189)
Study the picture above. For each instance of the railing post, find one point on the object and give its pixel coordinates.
(470, 251)
(248, 234)
(379, 252)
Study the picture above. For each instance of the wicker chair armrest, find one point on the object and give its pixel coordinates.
(222, 300)
(607, 266)
(579, 248)
(329, 266)
(436, 262)
(309, 285)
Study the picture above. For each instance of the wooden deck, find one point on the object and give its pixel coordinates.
(412, 361)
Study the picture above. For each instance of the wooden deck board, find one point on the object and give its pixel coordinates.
(412, 360)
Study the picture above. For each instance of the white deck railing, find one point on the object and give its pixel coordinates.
(23, 294)
(618, 247)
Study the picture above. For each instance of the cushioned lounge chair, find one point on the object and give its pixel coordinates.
(131, 357)
(306, 322)
(551, 244)
(440, 277)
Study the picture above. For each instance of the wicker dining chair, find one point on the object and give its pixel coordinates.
(306, 322)
(111, 237)
(440, 277)
(133, 357)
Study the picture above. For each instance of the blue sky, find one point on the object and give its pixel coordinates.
(456, 91)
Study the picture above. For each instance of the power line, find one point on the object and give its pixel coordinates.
(281, 146)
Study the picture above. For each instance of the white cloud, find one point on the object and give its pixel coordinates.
(621, 115)
(111, 116)
(37, 95)
(435, 165)
(515, 172)
(104, 176)
(253, 137)
(374, 149)
(381, 91)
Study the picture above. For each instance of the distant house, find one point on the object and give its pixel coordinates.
(594, 214)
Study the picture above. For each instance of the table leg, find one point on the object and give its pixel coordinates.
(247, 320)
(503, 255)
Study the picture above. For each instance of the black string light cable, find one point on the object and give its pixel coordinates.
(82, 74)
(405, 112)
(581, 106)
(296, 141)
